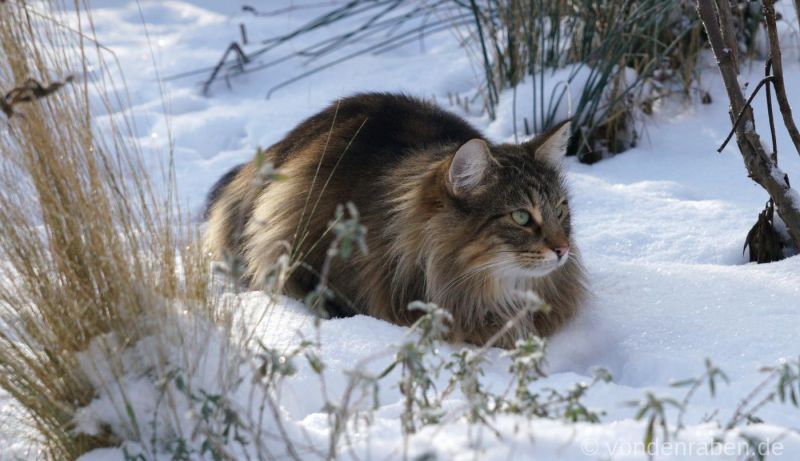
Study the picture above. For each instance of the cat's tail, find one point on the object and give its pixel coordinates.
(218, 188)
(228, 208)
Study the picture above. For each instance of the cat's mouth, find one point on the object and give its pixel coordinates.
(539, 264)
(540, 270)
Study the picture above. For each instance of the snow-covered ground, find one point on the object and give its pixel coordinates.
(661, 228)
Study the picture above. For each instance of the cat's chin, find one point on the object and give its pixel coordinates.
(543, 270)
(536, 272)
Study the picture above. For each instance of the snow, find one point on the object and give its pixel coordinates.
(661, 229)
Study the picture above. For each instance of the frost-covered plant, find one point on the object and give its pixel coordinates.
(466, 372)
(420, 364)
(570, 406)
(781, 383)
(217, 424)
(528, 360)
(348, 234)
(221, 430)
(710, 376)
(653, 408)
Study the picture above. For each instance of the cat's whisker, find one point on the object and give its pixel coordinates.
(484, 269)
(464, 277)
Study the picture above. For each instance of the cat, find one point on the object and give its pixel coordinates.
(451, 218)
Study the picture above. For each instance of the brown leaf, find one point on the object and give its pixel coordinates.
(764, 241)
(29, 91)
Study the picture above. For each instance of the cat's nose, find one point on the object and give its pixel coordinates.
(561, 251)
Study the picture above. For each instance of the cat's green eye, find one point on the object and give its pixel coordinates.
(521, 217)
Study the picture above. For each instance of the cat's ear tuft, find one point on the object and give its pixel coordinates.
(469, 166)
(554, 145)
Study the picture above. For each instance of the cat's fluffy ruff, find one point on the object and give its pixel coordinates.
(435, 197)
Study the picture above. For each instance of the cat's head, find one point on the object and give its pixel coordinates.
(511, 202)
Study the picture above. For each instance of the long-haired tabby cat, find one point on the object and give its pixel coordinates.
(452, 218)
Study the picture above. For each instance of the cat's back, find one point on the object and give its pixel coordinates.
(375, 127)
(353, 151)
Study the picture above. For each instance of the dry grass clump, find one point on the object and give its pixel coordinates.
(87, 247)
(635, 52)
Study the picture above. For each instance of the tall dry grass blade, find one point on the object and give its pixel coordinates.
(88, 246)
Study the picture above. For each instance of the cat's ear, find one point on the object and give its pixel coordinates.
(552, 144)
(469, 166)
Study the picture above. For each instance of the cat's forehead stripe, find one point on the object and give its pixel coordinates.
(536, 213)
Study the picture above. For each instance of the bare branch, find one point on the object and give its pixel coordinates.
(763, 82)
(727, 29)
(760, 166)
(777, 71)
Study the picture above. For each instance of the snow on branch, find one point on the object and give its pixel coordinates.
(761, 167)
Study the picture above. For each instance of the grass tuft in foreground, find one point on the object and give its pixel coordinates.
(88, 249)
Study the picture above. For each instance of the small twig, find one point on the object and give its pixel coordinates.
(274, 408)
(777, 72)
(491, 89)
(767, 73)
(797, 10)
(232, 48)
(243, 33)
(740, 412)
(679, 425)
(743, 110)
(288, 9)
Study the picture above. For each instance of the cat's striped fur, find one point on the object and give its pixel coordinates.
(443, 208)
